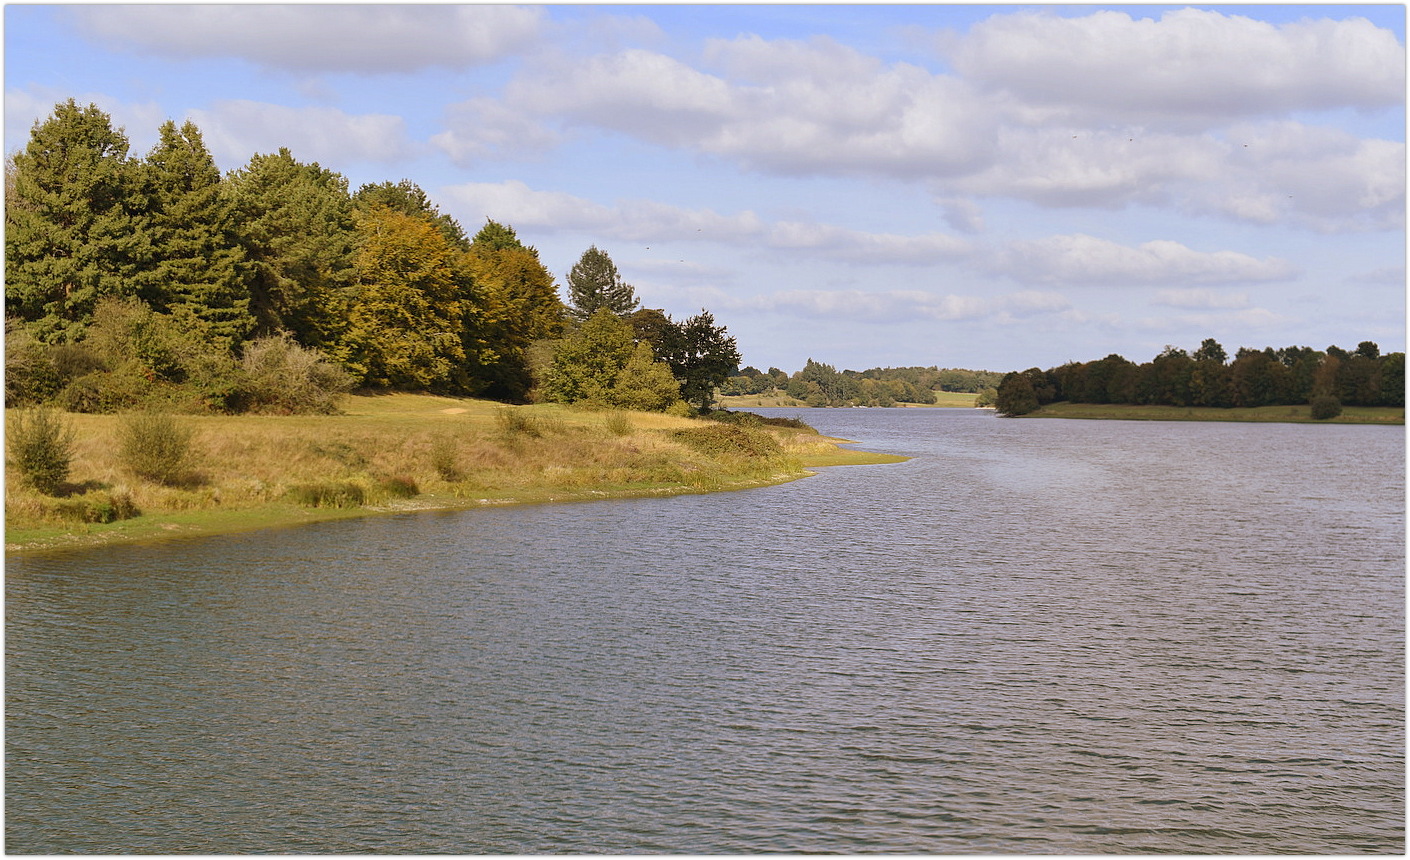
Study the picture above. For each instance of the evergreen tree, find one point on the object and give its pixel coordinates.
(70, 233)
(295, 224)
(198, 267)
(594, 283)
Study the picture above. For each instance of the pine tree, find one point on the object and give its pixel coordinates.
(594, 283)
(199, 267)
(295, 224)
(70, 233)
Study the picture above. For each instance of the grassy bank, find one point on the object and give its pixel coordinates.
(1280, 414)
(398, 453)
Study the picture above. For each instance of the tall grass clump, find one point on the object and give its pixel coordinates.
(328, 494)
(618, 424)
(445, 459)
(41, 448)
(155, 446)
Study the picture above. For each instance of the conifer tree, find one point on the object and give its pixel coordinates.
(70, 233)
(198, 266)
(295, 224)
(594, 283)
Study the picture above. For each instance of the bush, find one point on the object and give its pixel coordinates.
(278, 375)
(97, 507)
(729, 440)
(328, 494)
(1325, 407)
(154, 446)
(41, 448)
(398, 487)
(445, 459)
(618, 424)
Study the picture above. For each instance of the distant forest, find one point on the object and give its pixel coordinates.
(1326, 379)
(823, 385)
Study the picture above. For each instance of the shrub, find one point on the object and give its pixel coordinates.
(1325, 407)
(445, 459)
(513, 423)
(729, 440)
(328, 494)
(398, 487)
(41, 448)
(278, 375)
(618, 424)
(97, 507)
(153, 445)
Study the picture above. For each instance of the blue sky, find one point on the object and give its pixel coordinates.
(993, 187)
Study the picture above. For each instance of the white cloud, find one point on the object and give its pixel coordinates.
(1199, 297)
(886, 306)
(25, 107)
(320, 38)
(1190, 64)
(1082, 259)
(235, 130)
(651, 221)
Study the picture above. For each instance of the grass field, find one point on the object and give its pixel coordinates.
(1281, 414)
(395, 453)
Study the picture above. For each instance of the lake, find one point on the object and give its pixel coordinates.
(1037, 636)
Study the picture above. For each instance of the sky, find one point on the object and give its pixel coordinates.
(984, 187)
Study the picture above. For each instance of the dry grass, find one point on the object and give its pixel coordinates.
(248, 469)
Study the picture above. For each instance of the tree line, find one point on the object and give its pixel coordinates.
(820, 384)
(1327, 380)
(140, 280)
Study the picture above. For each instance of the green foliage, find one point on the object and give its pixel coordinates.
(41, 448)
(70, 233)
(328, 494)
(644, 384)
(294, 223)
(703, 357)
(594, 284)
(515, 304)
(445, 459)
(196, 264)
(407, 198)
(587, 363)
(156, 447)
(280, 376)
(96, 506)
(1324, 407)
(729, 440)
(1016, 395)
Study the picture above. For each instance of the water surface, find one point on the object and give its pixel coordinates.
(1034, 637)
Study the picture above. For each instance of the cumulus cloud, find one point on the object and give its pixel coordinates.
(651, 221)
(1082, 259)
(320, 38)
(1190, 64)
(234, 130)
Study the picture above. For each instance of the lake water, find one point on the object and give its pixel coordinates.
(1037, 636)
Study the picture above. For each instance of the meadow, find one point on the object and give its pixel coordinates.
(396, 453)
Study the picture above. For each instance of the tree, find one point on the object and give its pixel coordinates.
(703, 359)
(197, 263)
(515, 303)
(587, 364)
(403, 327)
(295, 224)
(1210, 350)
(1015, 395)
(645, 384)
(594, 283)
(70, 234)
(407, 198)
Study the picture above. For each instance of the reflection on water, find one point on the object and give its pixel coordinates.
(1034, 637)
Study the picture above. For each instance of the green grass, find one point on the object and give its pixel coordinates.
(396, 453)
(1278, 414)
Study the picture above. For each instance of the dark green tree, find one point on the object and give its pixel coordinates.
(295, 224)
(1015, 395)
(594, 283)
(71, 235)
(198, 268)
(705, 357)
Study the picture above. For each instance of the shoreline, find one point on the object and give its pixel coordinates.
(1299, 414)
(573, 459)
